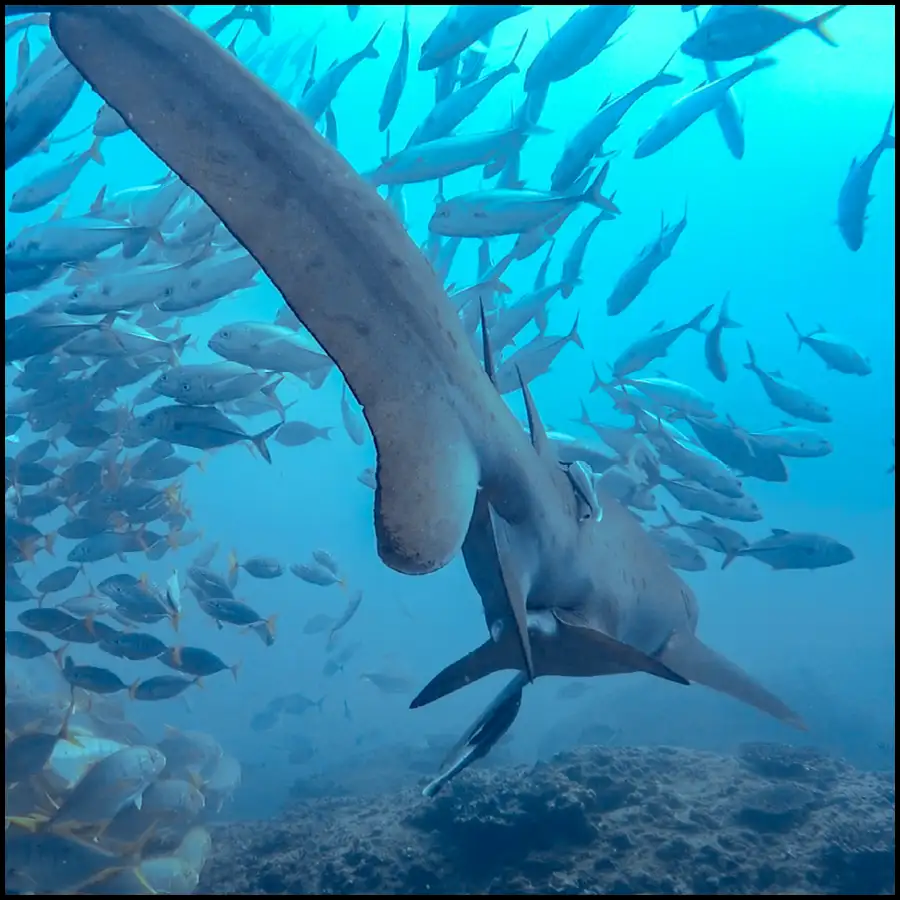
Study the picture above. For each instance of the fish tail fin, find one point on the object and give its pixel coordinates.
(797, 331)
(259, 441)
(817, 25)
(176, 348)
(60, 656)
(269, 392)
(94, 151)
(370, 51)
(751, 358)
(598, 381)
(663, 78)
(136, 241)
(730, 557)
(696, 324)
(690, 657)
(762, 62)
(236, 668)
(573, 335)
(887, 139)
(724, 316)
(671, 521)
(512, 63)
(594, 193)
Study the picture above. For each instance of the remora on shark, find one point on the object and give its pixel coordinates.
(455, 469)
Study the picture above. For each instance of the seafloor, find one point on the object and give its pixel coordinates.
(773, 820)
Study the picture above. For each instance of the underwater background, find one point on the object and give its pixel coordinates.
(762, 228)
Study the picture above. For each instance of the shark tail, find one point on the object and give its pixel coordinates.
(690, 657)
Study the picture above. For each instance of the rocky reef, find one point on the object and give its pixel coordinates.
(772, 820)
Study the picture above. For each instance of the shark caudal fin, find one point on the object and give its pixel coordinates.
(690, 657)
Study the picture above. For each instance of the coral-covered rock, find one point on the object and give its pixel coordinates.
(597, 820)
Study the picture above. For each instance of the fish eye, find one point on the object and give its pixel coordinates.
(75, 294)
(186, 386)
(167, 292)
(225, 334)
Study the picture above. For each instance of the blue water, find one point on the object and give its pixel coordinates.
(762, 228)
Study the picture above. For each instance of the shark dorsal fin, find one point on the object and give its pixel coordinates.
(539, 440)
(486, 344)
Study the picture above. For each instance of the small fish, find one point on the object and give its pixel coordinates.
(712, 346)
(706, 532)
(316, 574)
(160, 687)
(837, 354)
(203, 427)
(350, 611)
(22, 645)
(793, 440)
(494, 213)
(318, 623)
(57, 581)
(393, 90)
(731, 32)
(256, 566)
(855, 195)
(265, 720)
(92, 679)
(689, 108)
(388, 684)
(680, 554)
(27, 754)
(786, 396)
(797, 550)
(573, 690)
(354, 424)
(575, 44)
(132, 645)
(296, 434)
(324, 558)
(656, 345)
(196, 661)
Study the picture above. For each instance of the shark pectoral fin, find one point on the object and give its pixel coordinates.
(578, 650)
(491, 656)
(690, 657)
(426, 486)
(512, 570)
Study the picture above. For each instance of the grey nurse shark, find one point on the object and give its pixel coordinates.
(570, 585)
